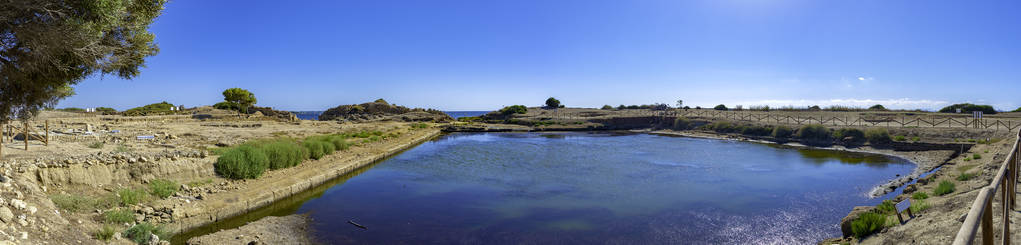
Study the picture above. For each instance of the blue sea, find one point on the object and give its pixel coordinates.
(314, 115)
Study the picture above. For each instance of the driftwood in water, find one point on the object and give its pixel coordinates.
(356, 224)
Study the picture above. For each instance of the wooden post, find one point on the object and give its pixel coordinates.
(987, 222)
(2, 135)
(25, 135)
(47, 142)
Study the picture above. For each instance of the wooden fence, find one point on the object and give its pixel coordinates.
(981, 213)
(920, 121)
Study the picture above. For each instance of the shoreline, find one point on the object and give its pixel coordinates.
(924, 163)
(221, 207)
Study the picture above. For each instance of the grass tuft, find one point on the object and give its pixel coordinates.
(241, 162)
(141, 233)
(131, 196)
(944, 187)
(919, 195)
(119, 216)
(105, 234)
(966, 176)
(867, 223)
(163, 188)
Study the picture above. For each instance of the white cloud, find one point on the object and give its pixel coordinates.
(861, 78)
(904, 103)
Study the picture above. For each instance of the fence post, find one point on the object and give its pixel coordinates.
(987, 221)
(47, 128)
(25, 135)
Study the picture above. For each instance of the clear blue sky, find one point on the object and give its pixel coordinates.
(480, 55)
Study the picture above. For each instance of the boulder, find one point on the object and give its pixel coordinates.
(910, 189)
(845, 223)
(6, 215)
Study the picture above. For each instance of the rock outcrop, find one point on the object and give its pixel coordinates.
(380, 110)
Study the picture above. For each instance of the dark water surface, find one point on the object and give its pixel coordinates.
(596, 188)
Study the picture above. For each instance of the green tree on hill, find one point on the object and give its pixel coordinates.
(552, 103)
(720, 107)
(240, 97)
(877, 107)
(48, 45)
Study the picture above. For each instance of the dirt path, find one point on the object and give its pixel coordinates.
(291, 229)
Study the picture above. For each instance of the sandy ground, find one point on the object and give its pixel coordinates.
(291, 229)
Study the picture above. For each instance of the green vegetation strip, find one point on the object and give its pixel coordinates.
(251, 159)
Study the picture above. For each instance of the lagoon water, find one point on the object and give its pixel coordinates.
(595, 188)
(590, 188)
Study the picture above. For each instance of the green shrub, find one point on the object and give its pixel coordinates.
(886, 207)
(919, 195)
(514, 109)
(878, 107)
(755, 130)
(720, 107)
(105, 233)
(96, 145)
(163, 188)
(606, 107)
(119, 216)
(681, 123)
(419, 125)
(849, 135)
(976, 156)
(966, 176)
(944, 187)
(131, 196)
(968, 108)
(899, 138)
(722, 127)
(241, 162)
(283, 153)
(867, 223)
(315, 149)
(813, 132)
(162, 108)
(782, 132)
(915, 139)
(877, 136)
(141, 233)
(80, 203)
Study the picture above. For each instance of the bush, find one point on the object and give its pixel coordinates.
(878, 108)
(877, 136)
(606, 107)
(966, 176)
(814, 133)
(681, 123)
(119, 216)
(283, 153)
(514, 109)
(80, 203)
(976, 156)
(316, 149)
(867, 223)
(915, 139)
(755, 130)
(241, 162)
(141, 233)
(105, 233)
(849, 135)
(162, 108)
(106, 110)
(227, 106)
(720, 107)
(886, 207)
(131, 196)
(163, 188)
(96, 145)
(899, 138)
(944, 187)
(782, 132)
(722, 127)
(968, 108)
(919, 195)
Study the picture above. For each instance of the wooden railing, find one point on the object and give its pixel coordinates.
(981, 213)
